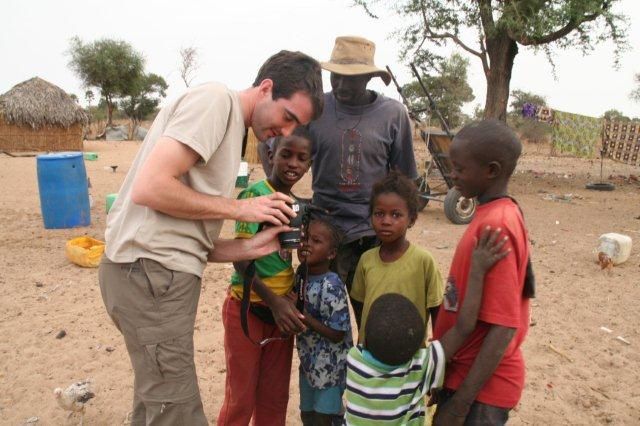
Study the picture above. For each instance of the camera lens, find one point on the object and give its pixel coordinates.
(290, 239)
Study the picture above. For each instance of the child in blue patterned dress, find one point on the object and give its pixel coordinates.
(324, 345)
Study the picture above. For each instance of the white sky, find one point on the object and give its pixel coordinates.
(235, 37)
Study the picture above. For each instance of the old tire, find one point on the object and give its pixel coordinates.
(423, 189)
(458, 209)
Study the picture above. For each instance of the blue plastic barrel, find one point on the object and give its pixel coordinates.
(64, 196)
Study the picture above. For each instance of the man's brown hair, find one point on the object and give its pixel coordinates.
(293, 72)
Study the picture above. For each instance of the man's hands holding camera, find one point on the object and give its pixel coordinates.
(274, 209)
(287, 214)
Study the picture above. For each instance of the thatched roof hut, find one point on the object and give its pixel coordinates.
(36, 115)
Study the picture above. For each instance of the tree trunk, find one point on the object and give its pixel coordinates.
(133, 126)
(502, 51)
(109, 112)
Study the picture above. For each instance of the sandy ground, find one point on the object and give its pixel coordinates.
(576, 372)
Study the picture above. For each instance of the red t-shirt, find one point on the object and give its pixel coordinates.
(502, 304)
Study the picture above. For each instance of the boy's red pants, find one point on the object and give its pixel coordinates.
(257, 383)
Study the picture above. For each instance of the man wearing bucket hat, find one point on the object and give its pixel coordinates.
(164, 225)
(359, 138)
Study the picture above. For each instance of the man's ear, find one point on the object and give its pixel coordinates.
(494, 169)
(270, 155)
(265, 87)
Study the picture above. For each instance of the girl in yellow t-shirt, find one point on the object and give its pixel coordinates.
(396, 266)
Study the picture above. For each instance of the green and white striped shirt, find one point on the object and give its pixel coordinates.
(378, 393)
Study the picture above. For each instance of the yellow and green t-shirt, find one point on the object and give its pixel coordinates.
(275, 269)
(414, 275)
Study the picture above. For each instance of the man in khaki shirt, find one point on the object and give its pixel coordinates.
(165, 223)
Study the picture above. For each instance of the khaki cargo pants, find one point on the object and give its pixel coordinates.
(155, 308)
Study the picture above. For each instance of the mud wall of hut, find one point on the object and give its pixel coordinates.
(48, 138)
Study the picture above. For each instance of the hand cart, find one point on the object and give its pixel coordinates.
(431, 184)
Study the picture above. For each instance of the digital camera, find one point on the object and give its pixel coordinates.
(291, 239)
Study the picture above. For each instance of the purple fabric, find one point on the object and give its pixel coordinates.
(528, 110)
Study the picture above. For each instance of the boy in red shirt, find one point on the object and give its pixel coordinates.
(485, 377)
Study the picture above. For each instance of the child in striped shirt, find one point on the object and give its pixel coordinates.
(389, 375)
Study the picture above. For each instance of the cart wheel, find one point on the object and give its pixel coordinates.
(423, 190)
(457, 208)
(600, 186)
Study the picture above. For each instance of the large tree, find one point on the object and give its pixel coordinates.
(448, 88)
(500, 27)
(143, 98)
(112, 66)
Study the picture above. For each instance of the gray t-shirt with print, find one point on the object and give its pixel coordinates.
(353, 148)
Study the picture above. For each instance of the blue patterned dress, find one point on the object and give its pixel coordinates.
(324, 363)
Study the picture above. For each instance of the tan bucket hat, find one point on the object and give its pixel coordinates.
(354, 56)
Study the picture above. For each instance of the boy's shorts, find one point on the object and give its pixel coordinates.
(324, 401)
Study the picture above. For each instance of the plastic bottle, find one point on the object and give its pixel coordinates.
(616, 246)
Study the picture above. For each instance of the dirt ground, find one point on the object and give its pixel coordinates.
(576, 372)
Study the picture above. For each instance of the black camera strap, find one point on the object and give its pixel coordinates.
(245, 303)
(300, 282)
(300, 287)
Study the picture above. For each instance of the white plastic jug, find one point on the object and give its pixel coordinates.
(616, 246)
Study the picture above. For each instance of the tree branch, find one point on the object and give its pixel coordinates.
(366, 8)
(430, 34)
(483, 50)
(548, 38)
(486, 15)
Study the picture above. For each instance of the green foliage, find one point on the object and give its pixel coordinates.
(520, 97)
(478, 113)
(112, 66)
(565, 23)
(96, 114)
(499, 28)
(449, 89)
(99, 112)
(144, 97)
(535, 131)
(614, 114)
(89, 96)
(531, 130)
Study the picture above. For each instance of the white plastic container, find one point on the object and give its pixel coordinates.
(616, 246)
